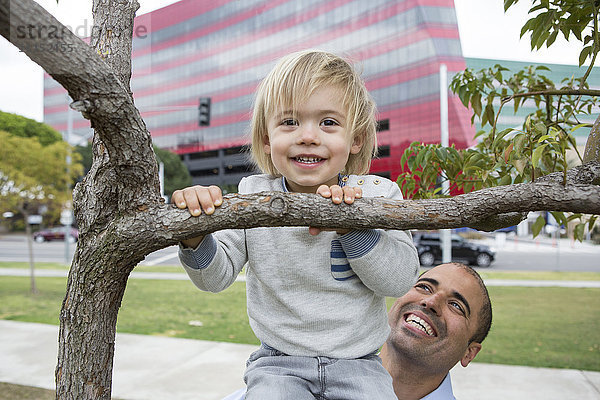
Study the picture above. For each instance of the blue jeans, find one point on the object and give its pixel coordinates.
(271, 374)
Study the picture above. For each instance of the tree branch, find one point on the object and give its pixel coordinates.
(555, 92)
(486, 209)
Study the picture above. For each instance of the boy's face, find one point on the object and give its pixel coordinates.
(310, 146)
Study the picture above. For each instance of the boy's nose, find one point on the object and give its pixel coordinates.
(308, 134)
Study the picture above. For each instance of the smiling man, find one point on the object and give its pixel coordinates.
(442, 320)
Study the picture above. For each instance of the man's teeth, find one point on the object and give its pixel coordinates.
(419, 324)
(308, 160)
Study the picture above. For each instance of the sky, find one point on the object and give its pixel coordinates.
(485, 32)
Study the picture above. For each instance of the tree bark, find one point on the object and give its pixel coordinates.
(592, 146)
(122, 218)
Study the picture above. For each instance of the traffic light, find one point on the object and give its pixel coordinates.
(204, 111)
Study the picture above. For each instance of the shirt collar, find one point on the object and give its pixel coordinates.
(443, 392)
(341, 182)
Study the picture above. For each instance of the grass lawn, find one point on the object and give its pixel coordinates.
(544, 327)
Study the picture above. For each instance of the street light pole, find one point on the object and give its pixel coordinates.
(445, 238)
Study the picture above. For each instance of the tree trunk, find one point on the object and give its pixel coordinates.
(120, 213)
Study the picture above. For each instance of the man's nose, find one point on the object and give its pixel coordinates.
(309, 134)
(433, 303)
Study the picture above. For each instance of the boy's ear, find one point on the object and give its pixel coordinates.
(266, 144)
(357, 144)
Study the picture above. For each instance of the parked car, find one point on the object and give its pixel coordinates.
(430, 251)
(47, 235)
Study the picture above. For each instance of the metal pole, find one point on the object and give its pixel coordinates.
(445, 234)
(161, 178)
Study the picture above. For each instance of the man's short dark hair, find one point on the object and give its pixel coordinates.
(485, 314)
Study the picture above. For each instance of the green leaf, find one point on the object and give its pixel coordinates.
(552, 38)
(520, 140)
(540, 128)
(505, 180)
(537, 154)
(442, 154)
(591, 222)
(537, 226)
(464, 95)
(544, 137)
(578, 232)
(559, 217)
(476, 103)
(507, 152)
(584, 54)
(519, 165)
(489, 112)
(507, 4)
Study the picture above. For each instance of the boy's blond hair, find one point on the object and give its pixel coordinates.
(293, 79)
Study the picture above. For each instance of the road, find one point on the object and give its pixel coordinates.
(513, 254)
(14, 248)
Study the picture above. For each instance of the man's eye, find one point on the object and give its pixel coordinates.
(458, 306)
(423, 286)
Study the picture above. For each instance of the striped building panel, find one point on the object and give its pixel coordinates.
(222, 49)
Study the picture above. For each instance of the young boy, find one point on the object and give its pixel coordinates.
(316, 299)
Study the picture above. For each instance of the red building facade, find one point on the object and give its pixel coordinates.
(221, 49)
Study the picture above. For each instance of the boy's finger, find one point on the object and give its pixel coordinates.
(177, 199)
(206, 201)
(324, 191)
(337, 194)
(190, 197)
(216, 195)
(348, 195)
(314, 231)
(357, 193)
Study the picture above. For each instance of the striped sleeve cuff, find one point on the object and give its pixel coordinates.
(358, 243)
(201, 256)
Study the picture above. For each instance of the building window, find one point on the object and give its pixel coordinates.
(383, 125)
(235, 150)
(204, 172)
(204, 154)
(383, 151)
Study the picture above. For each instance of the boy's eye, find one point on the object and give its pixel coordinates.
(329, 122)
(289, 122)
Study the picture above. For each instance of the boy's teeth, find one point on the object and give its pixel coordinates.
(308, 159)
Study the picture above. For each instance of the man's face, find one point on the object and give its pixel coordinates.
(433, 323)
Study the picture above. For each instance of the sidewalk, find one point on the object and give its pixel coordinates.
(151, 367)
(181, 276)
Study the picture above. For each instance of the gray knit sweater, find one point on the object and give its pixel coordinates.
(309, 295)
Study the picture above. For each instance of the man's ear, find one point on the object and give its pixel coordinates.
(357, 144)
(470, 354)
